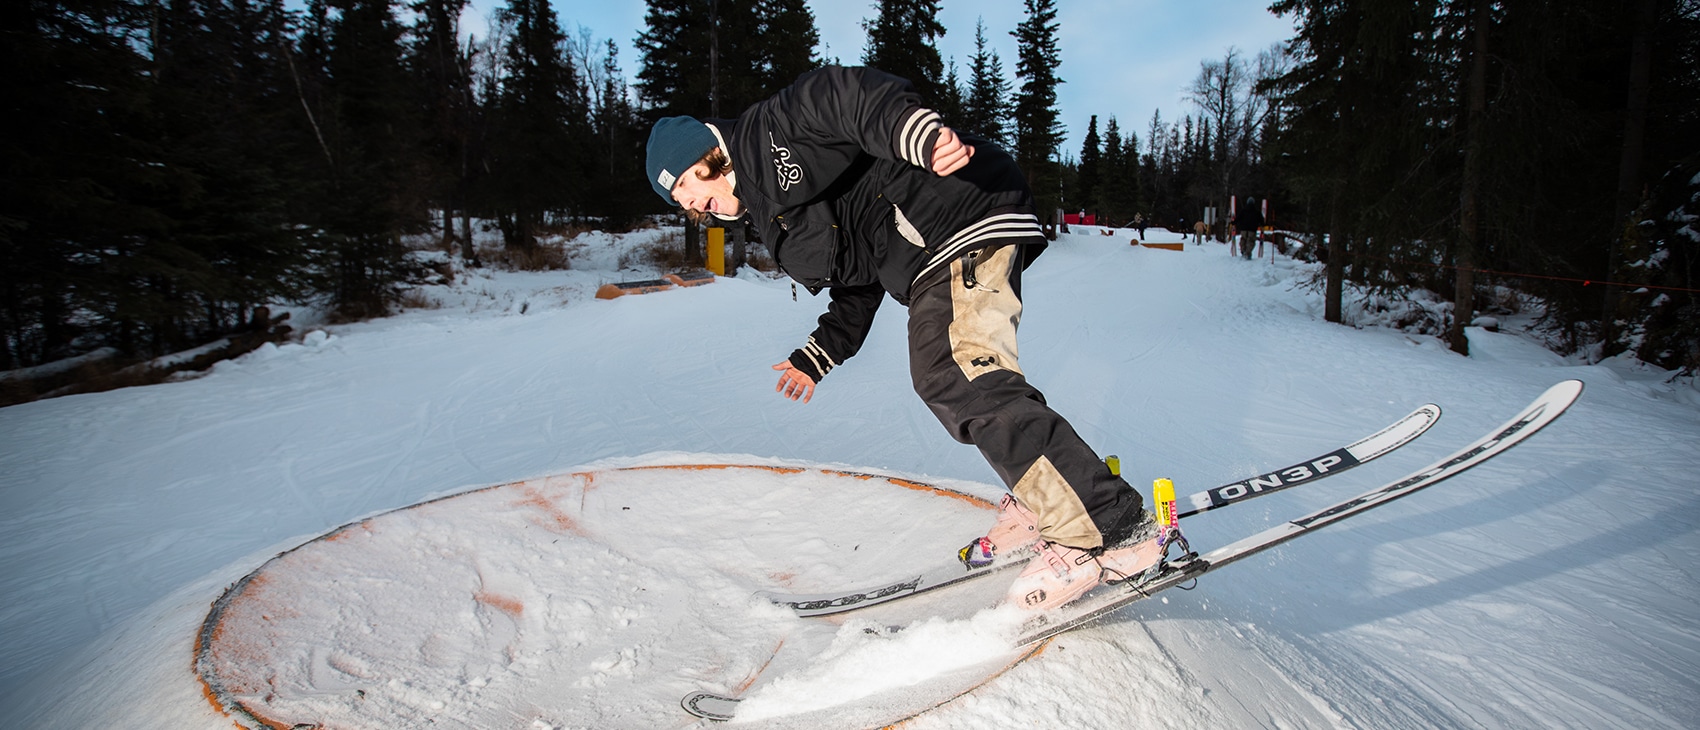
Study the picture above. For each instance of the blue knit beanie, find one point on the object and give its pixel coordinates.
(676, 143)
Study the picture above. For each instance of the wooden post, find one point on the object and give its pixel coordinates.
(692, 241)
(740, 240)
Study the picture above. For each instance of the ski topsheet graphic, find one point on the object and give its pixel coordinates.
(1397, 434)
(710, 706)
(1110, 597)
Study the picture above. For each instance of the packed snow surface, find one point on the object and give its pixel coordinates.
(1551, 587)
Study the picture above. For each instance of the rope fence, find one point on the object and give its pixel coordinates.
(1515, 275)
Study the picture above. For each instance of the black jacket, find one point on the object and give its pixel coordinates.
(1250, 216)
(835, 170)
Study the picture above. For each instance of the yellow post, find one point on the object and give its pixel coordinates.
(717, 251)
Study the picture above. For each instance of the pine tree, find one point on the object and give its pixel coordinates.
(538, 163)
(708, 58)
(230, 248)
(1037, 131)
(1366, 102)
(1487, 136)
(75, 94)
(442, 74)
(1090, 168)
(618, 192)
(787, 42)
(673, 74)
(902, 40)
(375, 196)
(1118, 182)
(986, 106)
(952, 98)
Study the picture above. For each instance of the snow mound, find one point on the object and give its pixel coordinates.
(596, 598)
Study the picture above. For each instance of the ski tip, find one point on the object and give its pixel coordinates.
(1561, 395)
(710, 706)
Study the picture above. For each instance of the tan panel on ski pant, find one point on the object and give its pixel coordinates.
(982, 328)
(1063, 518)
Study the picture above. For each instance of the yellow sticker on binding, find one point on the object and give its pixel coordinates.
(1163, 499)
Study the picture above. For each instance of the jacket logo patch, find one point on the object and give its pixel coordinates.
(790, 172)
(984, 361)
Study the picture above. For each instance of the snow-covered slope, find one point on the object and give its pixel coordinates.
(1552, 587)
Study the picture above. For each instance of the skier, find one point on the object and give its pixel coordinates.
(861, 191)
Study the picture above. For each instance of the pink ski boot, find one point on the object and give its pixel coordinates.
(1061, 574)
(1058, 575)
(1016, 527)
(1016, 530)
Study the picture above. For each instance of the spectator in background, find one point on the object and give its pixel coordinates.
(1248, 220)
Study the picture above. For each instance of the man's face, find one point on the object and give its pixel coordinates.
(707, 196)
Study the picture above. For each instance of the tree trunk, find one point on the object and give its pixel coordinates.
(740, 246)
(1469, 196)
(448, 241)
(1629, 166)
(468, 251)
(714, 59)
(693, 241)
(1335, 288)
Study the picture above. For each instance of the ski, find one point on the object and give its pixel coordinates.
(710, 706)
(1110, 597)
(1397, 434)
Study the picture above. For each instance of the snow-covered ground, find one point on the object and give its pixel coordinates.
(1552, 587)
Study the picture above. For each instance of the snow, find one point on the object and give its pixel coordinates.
(1551, 587)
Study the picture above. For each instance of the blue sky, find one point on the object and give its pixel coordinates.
(1122, 58)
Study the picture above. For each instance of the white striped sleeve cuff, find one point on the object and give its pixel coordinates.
(813, 357)
(915, 137)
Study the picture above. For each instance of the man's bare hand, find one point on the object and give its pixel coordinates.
(794, 383)
(950, 153)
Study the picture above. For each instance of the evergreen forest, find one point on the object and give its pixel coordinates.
(176, 167)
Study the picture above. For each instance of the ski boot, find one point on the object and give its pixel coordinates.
(1060, 574)
(1142, 540)
(1016, 530)
(1056, 576)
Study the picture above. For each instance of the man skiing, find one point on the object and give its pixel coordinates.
(859, 190)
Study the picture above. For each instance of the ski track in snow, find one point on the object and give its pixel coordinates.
(1550, 588)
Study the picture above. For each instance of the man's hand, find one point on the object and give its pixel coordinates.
(950, 153)
(794, 383)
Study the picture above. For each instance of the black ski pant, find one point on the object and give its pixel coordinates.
(962, 358)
